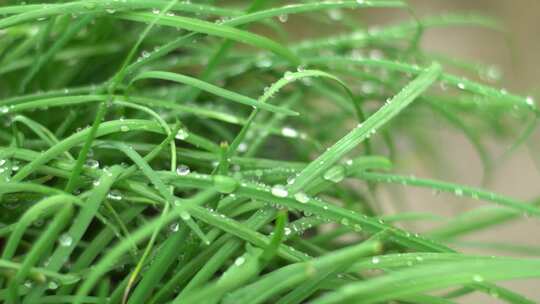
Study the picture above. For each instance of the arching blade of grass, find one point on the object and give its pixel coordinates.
(364, 130)
(421, 279)
(209, 28)
(212, 89)
(456, 189)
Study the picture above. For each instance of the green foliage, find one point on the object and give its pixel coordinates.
(159, 151)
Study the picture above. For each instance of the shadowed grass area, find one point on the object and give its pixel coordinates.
(194, 152)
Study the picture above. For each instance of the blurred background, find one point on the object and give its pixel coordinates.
(517, 57)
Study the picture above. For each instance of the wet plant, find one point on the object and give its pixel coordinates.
(197, 152)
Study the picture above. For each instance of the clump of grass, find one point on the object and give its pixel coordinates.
(168, 152)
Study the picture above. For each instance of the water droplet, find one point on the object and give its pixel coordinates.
(301, 197)
(239, 261)
(4, 109)
(461, 86)
(174, 227)
(2, 162)
(242, 147)
(283, 18)
(52, 285)
(92, 163)
(279, 191)
(156, 11)
(225, 184)
(288, 76)
(491, 73)
(96, 183)
(291, 179)
(478, 278)
(182, 134)
(28, 284)
(458, 191)
(301, 68)
(530, 101)
(110, 10)
(335, 14)
(182, 170)
(360, 2)
(345, 221)
(114, 195)
(65, 240)
(289, 132)
(375, 260)
(335, 174)
(184, 215)
(287, 231)
(124, 128)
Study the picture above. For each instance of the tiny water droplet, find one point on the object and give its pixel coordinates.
(65, 240)
(375, 260)
(92, 163)
(283, 18)
(52, 285)
(242, 147)
(458, 191)
(287, 231)
(461, 86)
(529, 100)
(4, 109)
(279, 191)
(182, 134)
(344, 221)
(114, 195)
(239, 261)
(301, 197)
(288, 76)
(182, 170)
(124, 128)
(478, 278)
(289, 132)
(174, 227)
(184, 215)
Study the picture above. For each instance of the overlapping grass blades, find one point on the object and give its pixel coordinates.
(128, 178)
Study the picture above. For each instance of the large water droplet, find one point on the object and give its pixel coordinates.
(182, 170)
(225, 184)
(335, 174)
(279, 191)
